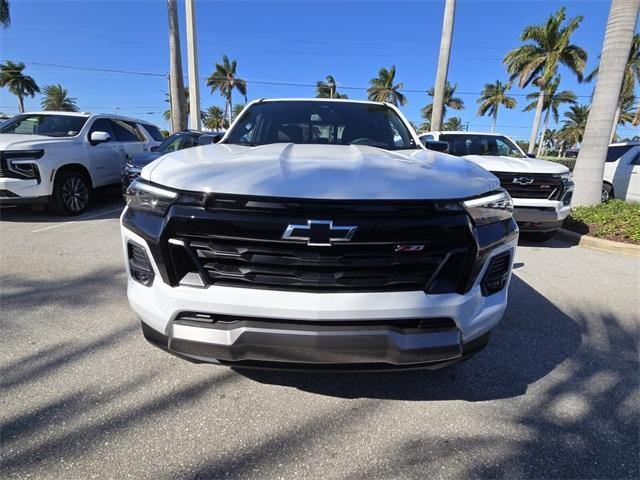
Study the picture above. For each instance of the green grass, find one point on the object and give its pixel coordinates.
(614, 220)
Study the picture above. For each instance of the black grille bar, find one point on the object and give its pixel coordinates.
(542, 186)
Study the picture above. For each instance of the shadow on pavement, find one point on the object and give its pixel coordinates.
(532, 339)
(107, 200)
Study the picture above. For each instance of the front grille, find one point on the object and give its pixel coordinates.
(394, 248)
(543, 186)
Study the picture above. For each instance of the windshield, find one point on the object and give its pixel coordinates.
(44, 124)
(311, 122)
(484, 145)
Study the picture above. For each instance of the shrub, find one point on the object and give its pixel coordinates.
(615, 220)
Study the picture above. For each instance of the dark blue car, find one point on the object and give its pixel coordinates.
(178, 141)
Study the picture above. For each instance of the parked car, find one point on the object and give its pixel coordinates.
(177, 141)
(58, 158)
(541, 190)
(622, 172)
(318, 234)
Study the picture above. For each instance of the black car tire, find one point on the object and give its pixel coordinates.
(607, 192)
(71, 193)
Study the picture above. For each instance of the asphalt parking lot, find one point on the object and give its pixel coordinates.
(555, 395)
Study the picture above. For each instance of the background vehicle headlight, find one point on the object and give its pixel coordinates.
(20, 163)
(149, 198)
(491, 208)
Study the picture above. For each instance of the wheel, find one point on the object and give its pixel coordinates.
(607, 192)
(71, 193)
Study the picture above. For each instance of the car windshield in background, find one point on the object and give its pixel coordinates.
(485, 145)
(43, 124)
(318, 122)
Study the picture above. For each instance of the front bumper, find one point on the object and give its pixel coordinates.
(286, 329)
(16, 191)
(540, 215)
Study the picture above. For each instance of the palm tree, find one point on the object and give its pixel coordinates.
(627, 111)
(327, 88)
(176, 83)
(492, 97)
(631, 76)
(443, 64)
(167, 113)
(56, 98)
(453, 124)
(537, 62)
(552, 102)
(456, 103)
(382, 88)
(214, 118)
(237, 109)
(20, 85)
(574, 125)
(224, 79)
(618, 39)
(5, 16)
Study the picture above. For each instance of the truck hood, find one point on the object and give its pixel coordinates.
(15, 141)
(516, 165)
(320, 172)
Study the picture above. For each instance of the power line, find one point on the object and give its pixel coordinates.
(256, 82)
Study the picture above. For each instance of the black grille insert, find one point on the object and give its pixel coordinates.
(531, 185)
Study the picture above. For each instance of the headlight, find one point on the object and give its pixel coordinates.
(149, 198)
(21, 163)
(492, 208)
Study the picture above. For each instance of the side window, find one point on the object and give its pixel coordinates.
(125, 131)
(615, 152)
(154, 132)
(102, 125)
(175, 145)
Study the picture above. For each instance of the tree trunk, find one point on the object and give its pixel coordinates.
(616, 119)
(589, 168)
(178, 108)
(536, 122)
(192, 63)
(230, 102)
(20, 104)
(493, 122)
(544, 131)
(443, 65)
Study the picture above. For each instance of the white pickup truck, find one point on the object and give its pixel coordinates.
(58, 158)
(541, 190)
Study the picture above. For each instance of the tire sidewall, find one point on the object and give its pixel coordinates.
(58, 205)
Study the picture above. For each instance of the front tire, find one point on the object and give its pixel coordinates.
(71, 194)
(607, 192)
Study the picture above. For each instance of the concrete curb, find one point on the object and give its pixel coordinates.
(599, 243)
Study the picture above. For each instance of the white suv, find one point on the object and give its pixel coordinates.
(57, 158)
(318, 234)
(622, 172)
(541, 190)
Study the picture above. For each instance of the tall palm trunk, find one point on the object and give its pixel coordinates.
(493, 122)
(544, 131)
(443, 65)
(616, 119)
(20, 103)
(615, 53)
(178, 107)
(230, 106)
(536, 121)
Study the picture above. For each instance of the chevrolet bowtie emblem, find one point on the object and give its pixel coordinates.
(319, 233)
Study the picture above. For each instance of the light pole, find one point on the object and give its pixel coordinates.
(192, 61)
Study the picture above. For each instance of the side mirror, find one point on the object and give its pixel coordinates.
(531, 155)
(437, 146)
(99, 137)
(209, 138)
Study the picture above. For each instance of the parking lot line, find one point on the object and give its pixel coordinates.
(62, 224)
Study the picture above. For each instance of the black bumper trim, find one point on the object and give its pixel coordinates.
(207, 353)
(11, 201)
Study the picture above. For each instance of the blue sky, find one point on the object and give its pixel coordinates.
(291, 41)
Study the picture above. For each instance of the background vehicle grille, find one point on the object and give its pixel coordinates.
(544, 186)
(245, 249)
